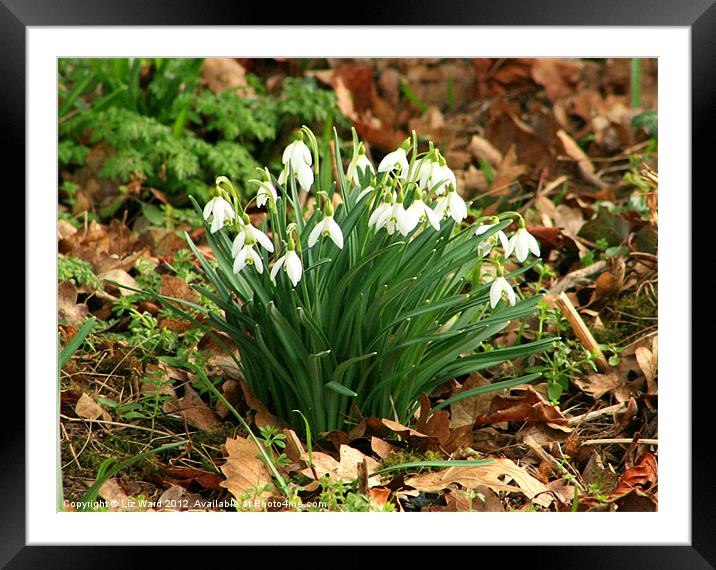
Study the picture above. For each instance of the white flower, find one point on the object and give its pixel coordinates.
(393, 160)
(249, 235)
(418, 210)
(291, 264)
(397, 217)
(362, 164)
(304, 175)
(380, 215)
(248, 256)
(453, 205)
(424, 167)
(500, 286)
(522, 242)
(485, 246)
(298, 155)
(266, 190)
(221, 210)
(328, 227)
(439, 174)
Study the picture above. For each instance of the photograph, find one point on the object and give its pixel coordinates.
(357, 284)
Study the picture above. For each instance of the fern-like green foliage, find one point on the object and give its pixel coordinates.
(164, 128)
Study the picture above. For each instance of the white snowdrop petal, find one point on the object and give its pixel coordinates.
(533, 245)
(238, 243)
(277, 267)
(263, 239)
(503, 240)
(208, 208)
(305, 177)
(495, 292)
(315, 234)
(510, 292)
(294, 267)
(335, 233)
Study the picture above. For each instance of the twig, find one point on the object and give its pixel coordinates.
(555, 465)
(579, 277)
(581, 330)
(620, 440)
(595, 414)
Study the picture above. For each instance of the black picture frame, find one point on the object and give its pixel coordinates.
(698, 15)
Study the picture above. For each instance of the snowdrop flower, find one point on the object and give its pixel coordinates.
(298, 158)
(522, 242)
(485, 246)
(379, 216)
(439, 175)
(221, 211)
(452, 205)
(248, 256)
(396, 159)
(291, 264)
(327, 227)
(249, 235)
(395, 217)
(266, 191)
(304, 175)
(298, 155)
(499, 286)
(419, 210)
(360, 164)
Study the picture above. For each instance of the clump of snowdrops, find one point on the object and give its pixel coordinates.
(364, 303)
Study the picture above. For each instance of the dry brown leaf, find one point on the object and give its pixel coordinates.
(245, 472)
(222, 73)
(112, 492)
(344, 470)
(482, 148)
(88, 409)
(195, 411)
(489, 475)
(464, 412)
(123, 278)
(68, 310)
(647, 361)
(586, 168)
(262, 416)
(381, 448)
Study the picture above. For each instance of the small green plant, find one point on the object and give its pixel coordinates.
(78, 272)
(161, 128)
(368, 304)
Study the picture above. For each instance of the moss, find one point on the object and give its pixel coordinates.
(630, 314)
(411, 456)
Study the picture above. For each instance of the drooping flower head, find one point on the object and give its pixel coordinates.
(500, 286)
(327, 227)
(419, 211)
(218, 208)
(297, 158)
(291, 264)
(522, 243)
(396, 161)
(249, 235)
(359, 164)
(451, 204)
(485, 245)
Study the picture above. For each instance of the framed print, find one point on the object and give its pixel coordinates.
(410, 267)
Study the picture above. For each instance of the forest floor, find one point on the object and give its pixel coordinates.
(570, 144)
